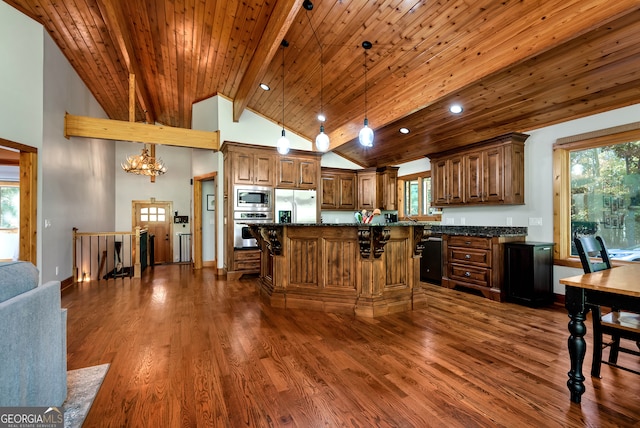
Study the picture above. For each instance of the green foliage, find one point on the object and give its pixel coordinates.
(9, 207)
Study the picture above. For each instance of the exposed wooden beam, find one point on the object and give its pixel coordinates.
(281, 19)
(89, 127)
(116, 25)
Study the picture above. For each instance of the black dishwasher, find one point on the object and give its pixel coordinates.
(431, 261)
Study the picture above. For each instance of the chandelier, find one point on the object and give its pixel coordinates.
(144, 164)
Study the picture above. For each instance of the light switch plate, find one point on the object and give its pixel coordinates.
(535, 221)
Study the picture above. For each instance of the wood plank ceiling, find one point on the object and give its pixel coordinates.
(513, 65)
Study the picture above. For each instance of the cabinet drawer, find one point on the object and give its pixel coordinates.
(470, 274)
(470, 256)
(246, 256)
(248, 265)
(470, 242)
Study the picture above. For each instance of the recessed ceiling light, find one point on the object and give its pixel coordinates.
(455, 109)
(265, 86)
(404, 130)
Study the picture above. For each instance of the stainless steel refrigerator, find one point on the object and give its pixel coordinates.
(296, 206)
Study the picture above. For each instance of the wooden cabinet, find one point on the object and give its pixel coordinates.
(492, 172)
(338, 189)
(446, 181)
(529, 272)
(475, 262)
(254, 168)
(387, 189)
(247, 164)
(297, 172)
(377, 188)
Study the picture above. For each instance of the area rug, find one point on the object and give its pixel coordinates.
(82, 387)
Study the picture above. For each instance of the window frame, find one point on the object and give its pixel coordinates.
(401, 199)
(562, 184)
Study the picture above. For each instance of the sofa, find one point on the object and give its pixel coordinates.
(33, 339)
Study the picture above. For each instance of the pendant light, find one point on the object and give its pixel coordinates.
(283, 143)
(366, 134)
(322, 140)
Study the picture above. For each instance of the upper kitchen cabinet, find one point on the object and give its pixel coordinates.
(298, 171)
(251, 164)
(338, 189)
(377, 188)
(488, 173)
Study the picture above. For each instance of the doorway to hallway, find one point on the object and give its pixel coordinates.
(156, 217)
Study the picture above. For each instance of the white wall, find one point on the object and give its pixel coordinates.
(37, 87)
(21, 81)
(78, 187)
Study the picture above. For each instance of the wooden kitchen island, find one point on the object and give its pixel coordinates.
(362, 269)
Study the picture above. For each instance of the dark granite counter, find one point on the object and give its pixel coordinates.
(436, 229)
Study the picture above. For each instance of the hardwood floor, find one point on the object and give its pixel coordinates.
(188, 349)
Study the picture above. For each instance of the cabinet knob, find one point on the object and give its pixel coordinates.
(467, 256)
(468, 242)
(467, 274)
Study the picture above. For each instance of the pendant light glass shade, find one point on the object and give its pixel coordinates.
(283, 144)
(366, 134)
(322, 140)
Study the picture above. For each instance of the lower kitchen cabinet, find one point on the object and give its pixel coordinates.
(529, 272)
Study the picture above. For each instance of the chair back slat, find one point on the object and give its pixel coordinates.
(589, 247)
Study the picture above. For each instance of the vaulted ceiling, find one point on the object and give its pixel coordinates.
(512, 65)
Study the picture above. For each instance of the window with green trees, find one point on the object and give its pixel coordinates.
(9, 206)
(605, 196)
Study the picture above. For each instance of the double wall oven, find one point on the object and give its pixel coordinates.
(251, 204)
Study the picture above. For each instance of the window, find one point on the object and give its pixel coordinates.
(9, 206)
(597, 192)
(416, 197)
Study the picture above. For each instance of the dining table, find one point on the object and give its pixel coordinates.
(617, 287)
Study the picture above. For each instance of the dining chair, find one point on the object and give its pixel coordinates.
(618, 324)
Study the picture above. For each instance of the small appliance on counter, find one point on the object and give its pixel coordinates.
(295, 206)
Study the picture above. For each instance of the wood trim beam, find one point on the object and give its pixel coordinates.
(116, 25)
(28, 207)
(283, 16)
(107, 129)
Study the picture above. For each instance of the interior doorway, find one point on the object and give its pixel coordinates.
(156, 217)
(27, 162)
(204, 202)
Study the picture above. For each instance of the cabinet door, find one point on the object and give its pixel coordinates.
(286, 173)
(367, 191)
(455, 165)
(242, 168)
(439, 192)
(263, 169)
(347, 192)
(387, 190)
(329, 192)
(307, 173)
(494, 174)
(474, 177)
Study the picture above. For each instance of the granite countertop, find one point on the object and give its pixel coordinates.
(436, 229)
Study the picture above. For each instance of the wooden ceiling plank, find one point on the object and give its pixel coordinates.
(279, 23)
(89, 127)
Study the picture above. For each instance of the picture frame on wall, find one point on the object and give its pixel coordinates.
(211, 203)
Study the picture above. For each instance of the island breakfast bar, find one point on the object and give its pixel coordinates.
(362, 269)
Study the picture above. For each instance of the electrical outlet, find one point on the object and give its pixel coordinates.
(509, 221)
(463, 220)
(56, 270)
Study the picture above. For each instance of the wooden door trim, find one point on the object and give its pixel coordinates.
(197, 220)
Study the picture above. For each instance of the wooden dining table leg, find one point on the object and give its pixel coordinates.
(574, 303)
